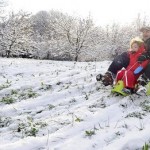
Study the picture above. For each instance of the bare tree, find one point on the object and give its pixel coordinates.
(40, 24)
(3, 4)
(76, 31)
(15, 34)
(140, 21)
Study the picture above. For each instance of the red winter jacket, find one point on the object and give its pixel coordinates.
(133, 64)
(127, 75)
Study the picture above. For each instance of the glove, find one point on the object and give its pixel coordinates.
(142, 58)
(138, 70)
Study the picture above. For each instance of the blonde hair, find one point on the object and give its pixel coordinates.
(137, 40)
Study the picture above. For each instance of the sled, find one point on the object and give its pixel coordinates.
(148, 89)
(118, 87)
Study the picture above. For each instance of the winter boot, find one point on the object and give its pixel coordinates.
(142, 87)
(107, 79)
(99, 77)
(127, 91)
(141, 90)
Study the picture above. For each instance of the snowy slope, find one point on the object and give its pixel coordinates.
(50, 105)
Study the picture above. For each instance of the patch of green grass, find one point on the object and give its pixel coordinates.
(146, 147)
(7, 100)
(145, 106)
(30, 128)
(50, 106)
(31, 94)
(89, 133)
(5, 85)
(136, 115)
(45, 86)
(14, 92)
(28, 93)
(78, 119)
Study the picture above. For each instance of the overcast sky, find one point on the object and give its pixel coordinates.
(102, 11)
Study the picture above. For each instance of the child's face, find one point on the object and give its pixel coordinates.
(135, 47)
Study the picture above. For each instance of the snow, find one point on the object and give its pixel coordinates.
(55, 105)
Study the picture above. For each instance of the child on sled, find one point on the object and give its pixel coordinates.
(129, 76)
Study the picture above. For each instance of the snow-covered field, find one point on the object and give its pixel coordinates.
(50, 105)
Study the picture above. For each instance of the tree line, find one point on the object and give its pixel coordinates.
(58, 36)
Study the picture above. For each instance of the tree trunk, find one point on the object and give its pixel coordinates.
(8, 53)
(76, 57)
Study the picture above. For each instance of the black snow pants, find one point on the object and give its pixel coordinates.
(119, 62)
